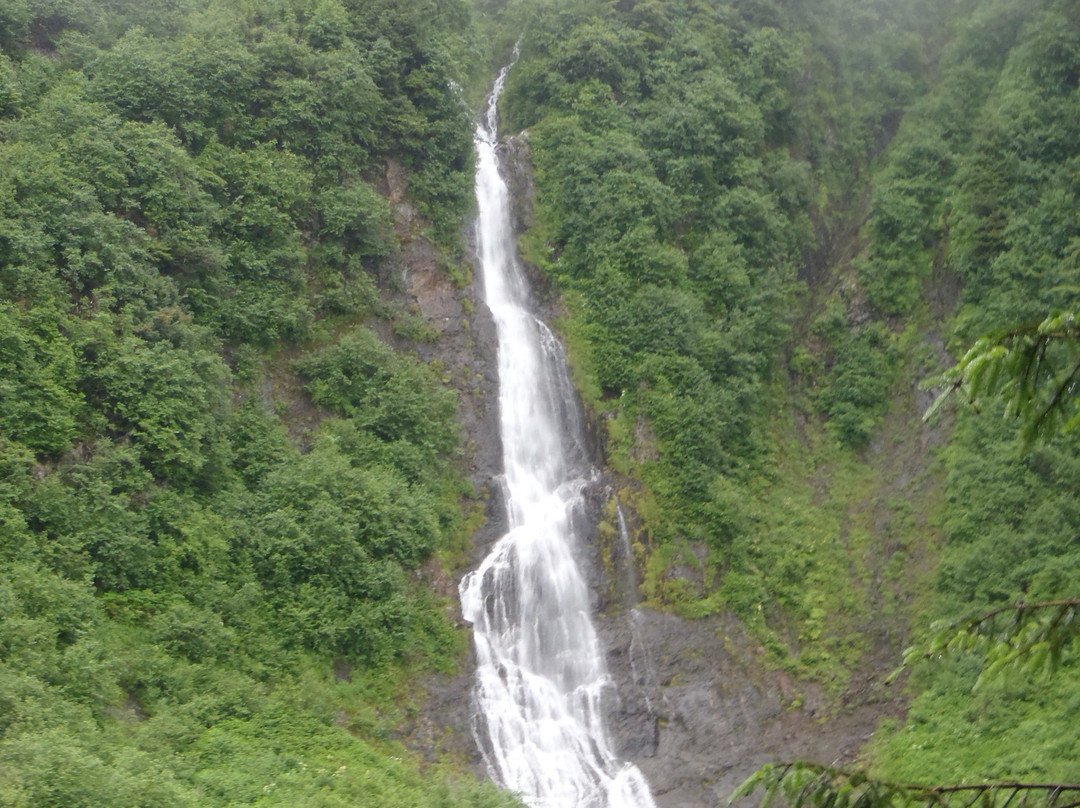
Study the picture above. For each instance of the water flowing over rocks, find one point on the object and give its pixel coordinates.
(693, 704)
(542, 689)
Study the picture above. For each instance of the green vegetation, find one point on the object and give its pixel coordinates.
(1033, 368)
(1010, 524)
(691, 162)
(221, 480)
(205, 599)
(1035, 635)
(765, 220)
(821, 786)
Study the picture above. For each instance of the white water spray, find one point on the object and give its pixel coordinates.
(541, 678)
(630, 583)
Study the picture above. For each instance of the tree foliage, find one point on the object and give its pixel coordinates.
(206, 599)
(806, 784)
(1032, 635)
(1034, 369)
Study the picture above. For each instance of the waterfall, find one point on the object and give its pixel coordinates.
(630, 596)
(541, 679)
(641, 666)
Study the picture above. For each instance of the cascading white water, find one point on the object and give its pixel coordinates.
(541, 679)
(629, 575)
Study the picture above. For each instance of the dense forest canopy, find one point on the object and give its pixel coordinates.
(190, 224)
(766, 218)
(767, 221)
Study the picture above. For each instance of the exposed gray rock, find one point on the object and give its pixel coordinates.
(517, 171)
(698, 712)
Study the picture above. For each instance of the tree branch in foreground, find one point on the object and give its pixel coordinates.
(1034, 634)
(1034, 368)
(809, 785)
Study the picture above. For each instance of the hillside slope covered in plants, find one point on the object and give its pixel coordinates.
(219, 479)
(229, 480)
(768, 222)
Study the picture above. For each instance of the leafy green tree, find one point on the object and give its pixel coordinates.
(858, 386)
(186, 187)
(40, 402)
(163, 386)
(392, 397)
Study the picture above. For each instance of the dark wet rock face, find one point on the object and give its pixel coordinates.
(517, 171)
(698, 712)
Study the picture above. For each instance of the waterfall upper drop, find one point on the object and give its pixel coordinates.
(541, 678)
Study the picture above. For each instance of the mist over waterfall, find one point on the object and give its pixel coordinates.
(541, 679)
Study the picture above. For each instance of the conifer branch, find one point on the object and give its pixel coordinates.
(810, 785)
(1020, 366)
(1037, 642)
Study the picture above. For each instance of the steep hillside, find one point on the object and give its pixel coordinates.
(766, 224)
(231, 460)
(247, 405)
(989, 159)
(702, 176)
